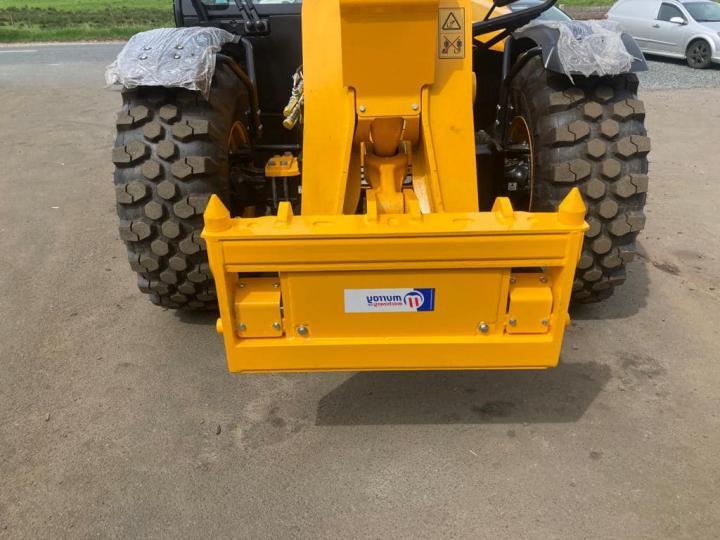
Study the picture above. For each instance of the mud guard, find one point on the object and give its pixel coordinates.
(547, 37)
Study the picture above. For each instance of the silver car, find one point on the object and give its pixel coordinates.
(676, 28)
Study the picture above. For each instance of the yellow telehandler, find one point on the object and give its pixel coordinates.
(420, 203)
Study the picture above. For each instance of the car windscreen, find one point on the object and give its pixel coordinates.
(704, 11)
(552, 14)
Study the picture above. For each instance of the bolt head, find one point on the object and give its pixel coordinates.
(302, 330)
(545, 322)
(513, 321)
(242, 327)
(362, 108)
(414, 107)
(241, 285)
(543, 279)
(277, 326)
(513, 279)
(483, 327)
(276, 285)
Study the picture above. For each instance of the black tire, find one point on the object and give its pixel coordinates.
(699, 54)
(171, 154)
(589, 134)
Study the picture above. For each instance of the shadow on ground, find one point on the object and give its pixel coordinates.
(206, 318)
(562, 394)
(677, 61)
(627, 300)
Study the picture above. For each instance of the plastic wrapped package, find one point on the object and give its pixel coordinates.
(589, 47)
(170, 57)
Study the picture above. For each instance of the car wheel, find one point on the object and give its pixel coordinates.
(699, 54)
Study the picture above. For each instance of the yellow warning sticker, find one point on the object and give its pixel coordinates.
(451, 31)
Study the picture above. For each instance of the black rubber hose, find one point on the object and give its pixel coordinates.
(252, 89)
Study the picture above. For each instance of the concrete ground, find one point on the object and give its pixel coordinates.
(118, 419)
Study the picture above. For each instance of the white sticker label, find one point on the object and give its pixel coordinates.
(451, 32)
(389, 300)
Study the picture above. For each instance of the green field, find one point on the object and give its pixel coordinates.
(70, 20)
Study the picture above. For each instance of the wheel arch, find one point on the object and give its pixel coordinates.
(697, 37)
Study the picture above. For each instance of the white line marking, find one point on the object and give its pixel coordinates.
(19, 51)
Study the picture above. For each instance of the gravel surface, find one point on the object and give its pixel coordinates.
(667, 73)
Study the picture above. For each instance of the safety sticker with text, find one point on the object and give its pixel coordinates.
(389, 300)
(451, 31)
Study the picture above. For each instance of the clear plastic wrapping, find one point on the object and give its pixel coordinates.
(170, 57)
(589, 47)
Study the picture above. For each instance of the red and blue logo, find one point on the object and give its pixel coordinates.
(404, 300)
(420, 300)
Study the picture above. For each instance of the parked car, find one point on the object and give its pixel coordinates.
(673, 28)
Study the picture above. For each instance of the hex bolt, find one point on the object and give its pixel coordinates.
(414, 107)
(277, 326)
(242, 326)
(513, 321)
(303, 330)
(362, 108)
(483, 327)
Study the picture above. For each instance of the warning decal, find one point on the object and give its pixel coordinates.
(451, 31)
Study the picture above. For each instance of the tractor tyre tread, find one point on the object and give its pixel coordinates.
(170, 155)
(589, 134)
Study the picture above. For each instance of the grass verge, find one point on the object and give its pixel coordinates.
(82, 20)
